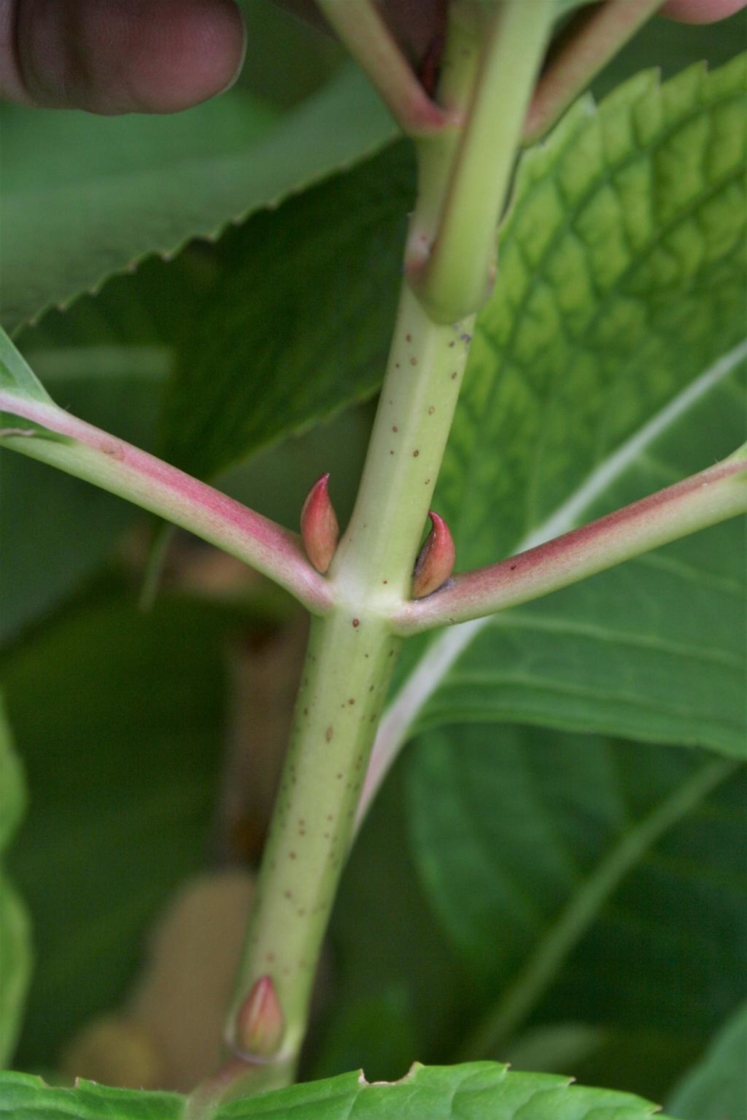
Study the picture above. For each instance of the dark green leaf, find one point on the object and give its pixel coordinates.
(15, 937)
(716, 1089)
(585, 878)
(118, 720)
(45, 514)
(299, 325)
(112, 190)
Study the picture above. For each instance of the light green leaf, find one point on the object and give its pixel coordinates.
(15, 954)
(716, 1089)
(608, 364)
(583, 877)
(118, 718)
(469, 1092)
(299, 324)
(16, 376)
(564, 6)
(113, 190)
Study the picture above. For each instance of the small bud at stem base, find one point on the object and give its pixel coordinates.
(260, 1023)
(319, 528)
(436, 560)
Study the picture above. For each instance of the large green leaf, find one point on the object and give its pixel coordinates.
(298, 326)
(118, 719)
(716, 1089)
(585, 878)
(469, 1092)
(15, 957)
(606, 366)
(110, 191)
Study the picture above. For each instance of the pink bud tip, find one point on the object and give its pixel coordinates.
(319, 528)
(436, 560)
(260, 1023)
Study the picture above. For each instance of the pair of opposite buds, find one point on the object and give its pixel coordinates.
(321, 532)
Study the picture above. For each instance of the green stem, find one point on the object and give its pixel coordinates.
(114, 465)
(540, 971)
(704, 499)
(458, 278)
(586, 45)
(348, 667)
(361, 27)
(376, 555)
(353, 648)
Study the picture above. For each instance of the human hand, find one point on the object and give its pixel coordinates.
(118, 56)
(159, 56)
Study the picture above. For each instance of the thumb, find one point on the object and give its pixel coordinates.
(118, 56)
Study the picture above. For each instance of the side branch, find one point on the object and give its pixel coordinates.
(704, 499)
(591, 39)
(360, 26)
(124, 470)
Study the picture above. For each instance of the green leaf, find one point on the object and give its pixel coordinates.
(15, 958)
(24, 1097)
(608, 364)
(16, 376)
(299, 324)
(562, 7)
(112, 190)
(716, 1089)
(671, 46)
(585, 878)
(118, 718)
(469, 1092)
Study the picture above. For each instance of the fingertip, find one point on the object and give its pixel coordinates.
(701, 11)
(197, 56)
(125, 56)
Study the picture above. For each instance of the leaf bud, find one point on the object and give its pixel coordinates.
(260, 1023)
(319, 528)
(435, 563)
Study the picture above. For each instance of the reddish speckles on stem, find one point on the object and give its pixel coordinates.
(319, 528)
(436, 560)
(260, 1023)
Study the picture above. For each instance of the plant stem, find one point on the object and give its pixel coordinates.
(591, 39)
(347, 672)
(124, 470)
(538, 974)
(361, 27)
(695, 503)
(458, 278)
(353, 648)
(376, 555)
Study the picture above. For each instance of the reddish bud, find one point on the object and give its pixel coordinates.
(260, 1023)
(436, 560)
(319, 527)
